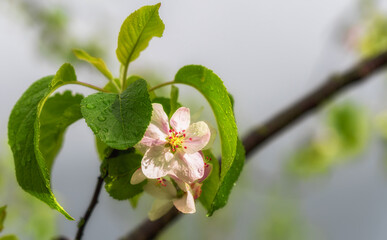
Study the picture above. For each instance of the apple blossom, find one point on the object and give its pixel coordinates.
(166, 194)
(173, 148)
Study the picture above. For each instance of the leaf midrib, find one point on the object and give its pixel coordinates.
(137, 41)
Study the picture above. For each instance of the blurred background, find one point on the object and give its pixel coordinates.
(323, 178)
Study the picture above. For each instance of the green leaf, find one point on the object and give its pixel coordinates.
(134, 78)
(103, 150)
(174, 98)
(24, 137)
(111, 86)
(231, 100)
(345, 134)
(9, 237)
(59, 112)
(3, 213)
(350, 124)
(210, 85)
(229, 180)
(120, 170)
(136, 32)
(211, 184)
(166, 102)
(374, 39)
(65, 74)
(314, 159)
(215, 191)
(119, 120)
(96, 62)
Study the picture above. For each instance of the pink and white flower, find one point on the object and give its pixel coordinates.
(166, 194)
(173, 148)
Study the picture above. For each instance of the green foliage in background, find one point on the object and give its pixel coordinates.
(27, 217)
(344, 135)
(3, 214)
(374, 40)
(52, 25)
(281, 220)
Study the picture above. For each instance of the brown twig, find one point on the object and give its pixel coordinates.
(83, 221)
(265, 132)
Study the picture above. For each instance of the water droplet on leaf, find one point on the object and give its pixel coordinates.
(94, 128)
(90, 106)
(101, 118)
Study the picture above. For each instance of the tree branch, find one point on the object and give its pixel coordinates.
(260, 135)
(83, 221)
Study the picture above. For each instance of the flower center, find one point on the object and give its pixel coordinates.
(161, 182)
(175, 139)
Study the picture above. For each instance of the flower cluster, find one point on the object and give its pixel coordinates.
(173, 157)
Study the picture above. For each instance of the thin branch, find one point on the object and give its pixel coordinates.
(334, 85)
(83, 221)
(265, 132)
(149, 230)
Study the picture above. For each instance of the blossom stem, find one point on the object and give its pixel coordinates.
(161, 85)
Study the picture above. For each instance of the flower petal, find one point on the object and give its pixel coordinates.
(188, 167)
(153, 136)
(157, 162)
(141, 148)
(196, 189)
(197, 136)
(180, 119)
(137, 177)
(157, 190)
(159, 208)
(160, 118)
(185, 204)
(182, 185)
(207, 171)
(212, 136)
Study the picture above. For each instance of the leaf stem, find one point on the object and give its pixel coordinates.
(116, 86)
(161, 85)
(88, 85)
(123, 74)
(83, 221)
(40, 107)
